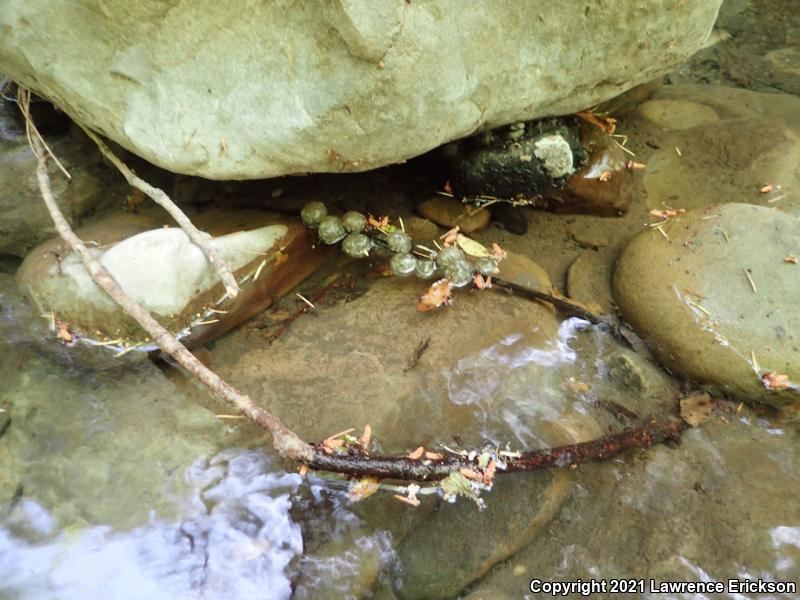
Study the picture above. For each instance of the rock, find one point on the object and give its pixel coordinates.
(352, 86)
(521, 270)
(475, 541)
(602, 186)
(678, 114)
(24, 220)
(589, 279)
(525, 160)
(731, 141)
(511, 218)
(422, 231)
(449, 212)
(167, 275)
(689, 297)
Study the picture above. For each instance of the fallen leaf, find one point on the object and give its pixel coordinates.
(471, 247)
(488, 472)
(64, 332)
(607, 124)
(666, 213)
(775, 381)
(303, 470)
(412, 501)
(480, 282)
(470, 474)
(790, 258)
(604, 176)
(696, 408)
(497, 252)
(416, 454)
(449, 238)
(456, 484)
(633, 165)
(365, 437)
(434, 455)
(363, 488)
(766, 189)
(280, 258)
(439, 294)
(379, 223)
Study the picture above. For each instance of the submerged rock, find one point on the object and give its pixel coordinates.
(24, 220)
(716, 299)
(449, 212)
(350, 87)
(167, 275)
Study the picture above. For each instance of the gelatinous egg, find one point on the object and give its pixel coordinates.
(486, 266)
(312, 213)
(399, 241)
(331, 229)
(354, 221)
(459, 273)
(451, 255)
(356, 245)
(425, 269)
(403, 264)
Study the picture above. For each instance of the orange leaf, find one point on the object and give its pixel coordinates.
(607, 124)
(633, 165)
(775, 381)
(412, 501)
(449, 238)
(440, 293)
(434, 455)
(766, 189)
(470, 474)
(488, 472)
(366, 437)
(497, 252)
(604, 176)
(790, 258)
(416, 454)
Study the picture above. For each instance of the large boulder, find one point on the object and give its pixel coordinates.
(248, 90)
(715, 294)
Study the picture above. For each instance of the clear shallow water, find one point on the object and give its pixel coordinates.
(125, 485)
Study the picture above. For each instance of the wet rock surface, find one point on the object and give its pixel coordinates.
(24, 220)
(166, 274)
(398, 78)
(716, 293)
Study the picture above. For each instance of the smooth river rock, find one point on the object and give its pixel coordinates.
(689, 296)
(170, 277)
(237, 90)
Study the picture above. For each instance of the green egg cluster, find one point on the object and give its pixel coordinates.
(451, 262)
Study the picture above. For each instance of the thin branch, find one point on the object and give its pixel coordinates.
(200, 239)
(24, 103)
(286, 442)
(569, 456)
(564, 305)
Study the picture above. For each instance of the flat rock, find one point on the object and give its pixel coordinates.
(690, 298)
(722, 145)
(349, 87)
(161, 269)
(449, 212)
(589, 279)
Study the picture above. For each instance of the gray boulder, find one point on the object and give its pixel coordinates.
(716, 298)
(236, 90)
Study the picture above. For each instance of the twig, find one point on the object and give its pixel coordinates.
(423, 345)
(199, 239)
(24, 103)
(423, 469)
(285, 441)
(566, 306)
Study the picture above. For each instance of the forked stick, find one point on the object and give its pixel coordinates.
(200, 239)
